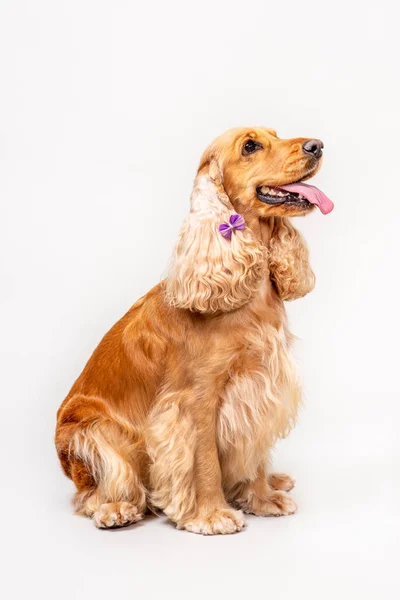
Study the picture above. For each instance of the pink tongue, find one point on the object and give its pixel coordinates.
(313, 195)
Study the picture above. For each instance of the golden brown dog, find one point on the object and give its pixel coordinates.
(183, 399)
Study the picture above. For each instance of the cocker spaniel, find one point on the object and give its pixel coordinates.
(180, 404)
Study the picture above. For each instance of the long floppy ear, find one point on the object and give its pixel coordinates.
(209, 272)
(288, 261)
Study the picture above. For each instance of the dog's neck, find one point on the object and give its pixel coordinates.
(261, 228)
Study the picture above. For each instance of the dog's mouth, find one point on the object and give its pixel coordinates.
(297, 195)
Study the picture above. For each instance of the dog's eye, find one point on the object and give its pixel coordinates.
(250, 146)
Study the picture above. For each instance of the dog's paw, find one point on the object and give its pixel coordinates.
(280, 481)
(116, 514)
(277, 504)
(220, 521)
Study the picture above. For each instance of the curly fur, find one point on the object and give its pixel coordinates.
(289, 262)
(183, 399)
(210, 273)
(174, 491)
(259, 405)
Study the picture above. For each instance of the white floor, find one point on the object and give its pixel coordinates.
(342, 543)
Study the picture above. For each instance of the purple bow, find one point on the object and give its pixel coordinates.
(235, 222)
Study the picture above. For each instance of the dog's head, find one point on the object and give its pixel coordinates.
(262, 174)
(245, 175)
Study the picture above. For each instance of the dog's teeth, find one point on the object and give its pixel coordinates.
(281, 194)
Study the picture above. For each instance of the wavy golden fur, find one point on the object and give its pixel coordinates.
(183, 399)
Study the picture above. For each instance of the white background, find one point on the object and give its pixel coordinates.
(105, 109)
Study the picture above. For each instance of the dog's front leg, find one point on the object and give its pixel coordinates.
(213, 515)
(185, 472)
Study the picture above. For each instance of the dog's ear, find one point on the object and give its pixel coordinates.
(288, 261)
(213, 269)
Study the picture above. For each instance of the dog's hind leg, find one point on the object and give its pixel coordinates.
(265, 495)
(100, 454)
(281, 481)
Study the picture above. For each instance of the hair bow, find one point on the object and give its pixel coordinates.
(235, 222)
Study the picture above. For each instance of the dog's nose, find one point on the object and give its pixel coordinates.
(313, 148)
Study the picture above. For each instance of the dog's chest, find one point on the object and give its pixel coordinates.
(259, 402)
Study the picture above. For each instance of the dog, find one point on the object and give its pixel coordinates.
(179, 406)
